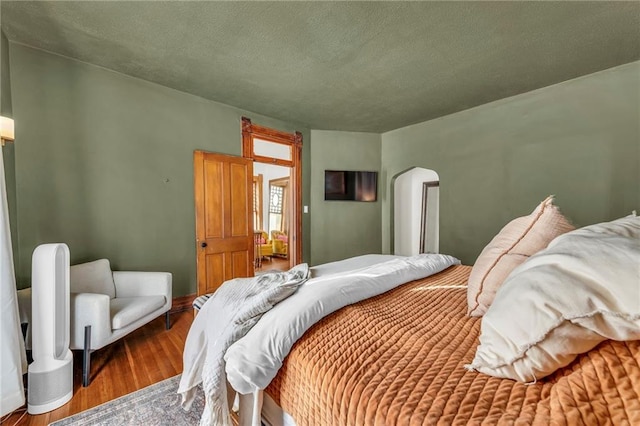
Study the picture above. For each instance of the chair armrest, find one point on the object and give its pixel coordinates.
(89, 309)
(135, 284)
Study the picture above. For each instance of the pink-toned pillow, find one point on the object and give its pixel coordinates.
(283, 238)
(519, 239)
(262, 241)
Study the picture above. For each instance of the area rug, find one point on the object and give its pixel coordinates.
(158, 404)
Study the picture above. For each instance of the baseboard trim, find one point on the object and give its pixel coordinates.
(182, 303)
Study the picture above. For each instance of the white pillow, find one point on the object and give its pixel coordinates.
(584, 288)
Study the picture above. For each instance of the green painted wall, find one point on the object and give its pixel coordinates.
(579, 140)
(104, 164)
(5, 80)
(342, 229)
(8, 151)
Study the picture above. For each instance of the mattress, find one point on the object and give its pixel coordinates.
(397, 359)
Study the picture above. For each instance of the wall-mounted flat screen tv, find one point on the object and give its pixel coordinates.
(346, 185)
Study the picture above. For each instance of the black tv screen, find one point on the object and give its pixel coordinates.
(346, 185)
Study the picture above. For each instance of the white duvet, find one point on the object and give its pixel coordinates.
(254, 360)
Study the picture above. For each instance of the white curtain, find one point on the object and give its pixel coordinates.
(13, 359)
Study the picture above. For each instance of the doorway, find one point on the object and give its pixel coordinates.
(272, 216)
(277, 195)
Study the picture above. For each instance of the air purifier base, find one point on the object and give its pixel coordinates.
(40, 409)
(49, 387)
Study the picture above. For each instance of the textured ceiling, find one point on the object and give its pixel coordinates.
(359, 66)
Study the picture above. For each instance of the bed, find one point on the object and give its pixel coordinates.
(373, 363)
(411, 354)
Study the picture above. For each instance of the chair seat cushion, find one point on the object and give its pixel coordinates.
(126, 310)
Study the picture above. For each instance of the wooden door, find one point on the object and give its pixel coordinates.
(224, 227)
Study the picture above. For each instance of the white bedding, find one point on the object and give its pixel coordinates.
(351, 264)
(230, 312)
(253, 361)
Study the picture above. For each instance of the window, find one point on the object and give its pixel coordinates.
(275, 203)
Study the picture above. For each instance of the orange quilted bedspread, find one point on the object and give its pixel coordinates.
(397, 359)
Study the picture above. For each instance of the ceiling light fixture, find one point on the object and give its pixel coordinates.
(7, 130)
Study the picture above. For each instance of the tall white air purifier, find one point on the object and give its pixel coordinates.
(51, 372)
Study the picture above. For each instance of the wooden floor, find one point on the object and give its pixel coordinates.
(146, 356)
(273, 262)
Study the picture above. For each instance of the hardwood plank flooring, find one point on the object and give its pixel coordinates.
(273, 263)
(144, 357)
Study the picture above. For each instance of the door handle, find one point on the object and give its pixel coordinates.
(203, 244)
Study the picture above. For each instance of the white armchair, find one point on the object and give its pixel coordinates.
(106, 305)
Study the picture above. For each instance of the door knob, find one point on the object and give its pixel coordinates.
(203, 244)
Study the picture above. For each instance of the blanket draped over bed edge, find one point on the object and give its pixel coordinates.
(227, 316)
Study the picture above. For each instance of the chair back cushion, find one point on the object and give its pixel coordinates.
(92, 277)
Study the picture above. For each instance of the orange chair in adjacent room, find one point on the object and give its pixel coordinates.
(264, 245)
(280, 243)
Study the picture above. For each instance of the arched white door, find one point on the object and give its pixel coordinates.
(416, 212)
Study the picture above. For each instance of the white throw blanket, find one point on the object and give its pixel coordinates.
(227, 316)
(254, 360)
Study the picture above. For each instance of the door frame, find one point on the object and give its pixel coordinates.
(252, 131)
